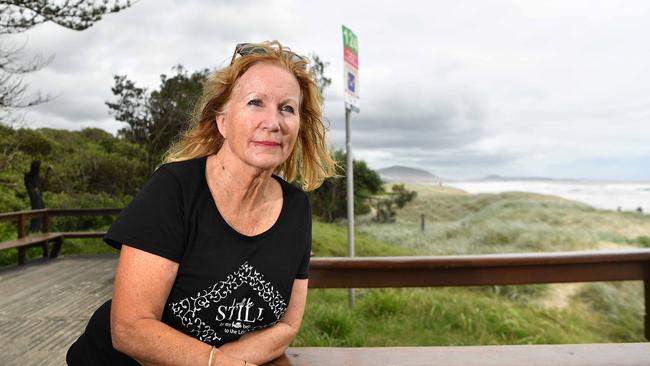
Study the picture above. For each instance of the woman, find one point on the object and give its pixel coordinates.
(215, 247)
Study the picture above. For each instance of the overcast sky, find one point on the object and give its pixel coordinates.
(460, 88)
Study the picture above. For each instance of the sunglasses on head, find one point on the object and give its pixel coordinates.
(246, 49)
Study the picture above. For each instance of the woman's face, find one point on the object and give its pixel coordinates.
(260, 122)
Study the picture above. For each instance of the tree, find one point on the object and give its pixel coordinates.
(20, 15)
(329, 201)
(154, 118)
(17, 16)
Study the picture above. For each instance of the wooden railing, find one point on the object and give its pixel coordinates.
(482, 270)
(45, 237)
(21, 217)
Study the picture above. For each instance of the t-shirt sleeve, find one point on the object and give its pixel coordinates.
(153, 220)
(303, 270)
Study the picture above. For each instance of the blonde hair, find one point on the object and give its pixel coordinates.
(310, 160)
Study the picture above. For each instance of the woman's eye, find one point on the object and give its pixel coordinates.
(288, 108)
(255, 102)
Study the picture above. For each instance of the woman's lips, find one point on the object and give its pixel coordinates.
(267, 143)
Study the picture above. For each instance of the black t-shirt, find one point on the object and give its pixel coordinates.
(227, 283)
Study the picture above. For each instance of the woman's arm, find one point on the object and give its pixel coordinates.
(142, 284)
(264, 345)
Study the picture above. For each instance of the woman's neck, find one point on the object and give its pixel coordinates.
(244, 186)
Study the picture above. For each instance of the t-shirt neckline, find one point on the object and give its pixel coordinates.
(223, 221)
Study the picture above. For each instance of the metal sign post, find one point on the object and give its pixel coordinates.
(350, 188)
(351, 81)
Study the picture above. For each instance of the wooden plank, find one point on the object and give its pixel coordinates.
(474, 276)
(84, 211)
(28, 214)
(27, 241)
(484, 260)
(646, 317)
(628, 354)
(83, 234)
(45, 305)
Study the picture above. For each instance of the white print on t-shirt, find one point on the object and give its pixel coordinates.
(240, 311)
(188, 309)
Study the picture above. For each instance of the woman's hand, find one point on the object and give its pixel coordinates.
(266, 344)
(223, 359)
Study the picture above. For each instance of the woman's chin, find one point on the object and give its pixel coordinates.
(266, 163)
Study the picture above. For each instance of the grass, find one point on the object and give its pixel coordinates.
(451, 316)
(461, 223)
(330, 240)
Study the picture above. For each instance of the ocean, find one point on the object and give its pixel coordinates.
(605, 195)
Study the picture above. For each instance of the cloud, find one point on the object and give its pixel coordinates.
(461, 87)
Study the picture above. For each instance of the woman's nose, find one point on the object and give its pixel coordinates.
(271, 120)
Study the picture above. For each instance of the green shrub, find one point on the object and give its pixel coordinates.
(83, 200)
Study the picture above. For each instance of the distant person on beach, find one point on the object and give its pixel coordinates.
(215, 247)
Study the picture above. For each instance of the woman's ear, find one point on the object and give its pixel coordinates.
(221, 124)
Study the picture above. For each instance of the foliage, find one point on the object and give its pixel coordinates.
(620, 303)
(83, 200)
(74, 163)
(20, 15)
(386, 207)
(155, 118)
(329, 201)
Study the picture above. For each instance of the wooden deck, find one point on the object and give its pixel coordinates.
(45, 305)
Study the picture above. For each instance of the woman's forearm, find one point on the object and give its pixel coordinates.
(261, 346)
(154, 343)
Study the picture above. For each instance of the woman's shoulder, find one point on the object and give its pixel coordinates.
(185, 170)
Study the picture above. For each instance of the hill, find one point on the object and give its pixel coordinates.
(402, 174)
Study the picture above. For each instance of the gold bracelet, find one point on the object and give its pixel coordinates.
(211, 354)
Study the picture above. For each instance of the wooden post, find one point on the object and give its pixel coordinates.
(46, 222)
(44, 229)
(22, 252)
(422, 222)
(21, 226)
(646, 290)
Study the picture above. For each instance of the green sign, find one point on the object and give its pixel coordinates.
(350, 40)
(351, 69)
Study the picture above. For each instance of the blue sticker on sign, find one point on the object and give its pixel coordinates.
(351, 82)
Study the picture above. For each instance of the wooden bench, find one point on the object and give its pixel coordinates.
(628, 354)
(41, 239)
